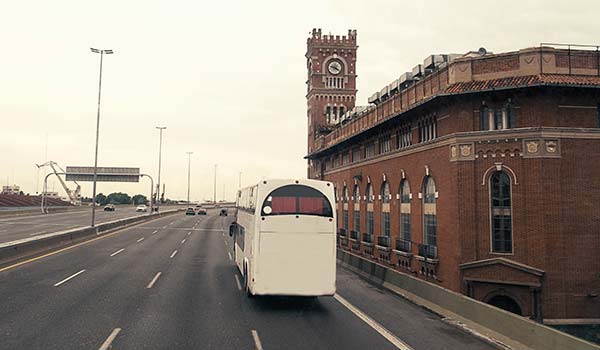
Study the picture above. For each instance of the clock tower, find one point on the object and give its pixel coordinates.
(331, 84)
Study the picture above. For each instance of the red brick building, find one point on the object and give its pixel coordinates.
(479, 172)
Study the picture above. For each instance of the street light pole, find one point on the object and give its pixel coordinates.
(215, 187)
(160, 128)
(102, 53)
(240, 180)
(189, 160)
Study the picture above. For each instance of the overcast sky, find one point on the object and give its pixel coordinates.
(226, 77)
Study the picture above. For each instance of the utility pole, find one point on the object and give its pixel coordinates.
(240, 180)
(189, 161)
(160, 128)
(101, 52)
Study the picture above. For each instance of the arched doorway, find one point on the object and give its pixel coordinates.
(506, 303)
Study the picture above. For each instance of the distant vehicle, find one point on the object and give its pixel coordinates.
(289, 218)
(201, 211)
(223, 212)
(190, 211)
(142, 208)
(109, 207)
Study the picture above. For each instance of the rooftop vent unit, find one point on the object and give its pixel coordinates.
(417, 71)
(394, 87)
(433, 61)
(405, 80)
(374, 98)
(384, 93)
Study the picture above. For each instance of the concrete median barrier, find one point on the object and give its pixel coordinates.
(507, 329)
(32, 246)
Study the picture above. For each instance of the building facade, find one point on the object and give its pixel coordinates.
(478, 172)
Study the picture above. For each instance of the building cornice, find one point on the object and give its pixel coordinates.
(495, 136)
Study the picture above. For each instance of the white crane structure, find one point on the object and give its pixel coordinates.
(74, 195)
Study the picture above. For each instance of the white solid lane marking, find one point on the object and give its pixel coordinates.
(153, 280)
(256, 340)
(228, 253)
(68, 278)
(117, 252)
(376, 326)
(237, 281)
(154, 231)
(141, 239)
(183, 241)
(174, 252)
(107, 343)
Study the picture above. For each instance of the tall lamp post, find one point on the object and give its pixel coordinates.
(102, 53)
(215, 187)
(189, 160)
(160, 128)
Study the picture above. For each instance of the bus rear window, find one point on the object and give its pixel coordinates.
(297, 200)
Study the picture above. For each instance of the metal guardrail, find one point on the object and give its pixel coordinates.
(354, 235)
(10, 251)
(367, 237)
(343, 233)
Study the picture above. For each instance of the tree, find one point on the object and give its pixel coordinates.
(139, 199)
(101, 199)
(118, 198)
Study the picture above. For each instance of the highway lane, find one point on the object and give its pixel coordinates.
(170, 284)
(15, 228)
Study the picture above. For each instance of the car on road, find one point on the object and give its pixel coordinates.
(190, 211)
(142, 208)
(201, 211)
(223, 212)
(109, 207)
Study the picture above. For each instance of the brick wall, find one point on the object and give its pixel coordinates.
(556, 215)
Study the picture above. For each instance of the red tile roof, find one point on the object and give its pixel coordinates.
(523, 81)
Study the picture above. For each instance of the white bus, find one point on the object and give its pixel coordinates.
(284, 237)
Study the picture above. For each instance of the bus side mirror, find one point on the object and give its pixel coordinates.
(233, 229)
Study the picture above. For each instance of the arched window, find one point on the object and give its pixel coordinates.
(429, 212)
(356, 214)
(385, 193)
(345, 208)
(429, 190)
(501, 213)
(385, 213)
(404, 192)
(370, 221)
(369, 193)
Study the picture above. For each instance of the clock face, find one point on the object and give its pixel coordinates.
(335, 67)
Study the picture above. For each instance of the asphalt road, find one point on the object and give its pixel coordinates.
(19, 227)
(170, 284)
